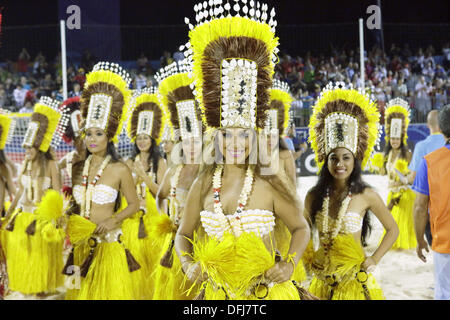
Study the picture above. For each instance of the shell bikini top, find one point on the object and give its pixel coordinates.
(260, 222)
(46, 183)
(351, 223)
(103, 194)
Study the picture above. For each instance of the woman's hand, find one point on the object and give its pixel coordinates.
(194, 273)
(139, 169)
(369, 264)
(106, 226)
(280, 272)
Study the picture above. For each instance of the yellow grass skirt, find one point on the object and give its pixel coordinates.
(404, 216)
(34, 262)
(169, 282)
(142, 249)
(108, 277)
(235, 267)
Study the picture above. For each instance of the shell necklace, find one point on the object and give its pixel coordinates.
(88, 190)
(174, 212)
(235, 223)
(329, 235)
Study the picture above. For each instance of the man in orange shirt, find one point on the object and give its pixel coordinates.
(433, 192)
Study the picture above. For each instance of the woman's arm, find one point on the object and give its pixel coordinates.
(164, 186)
(289, 165)
(188, 224)
(152, 186)
(8, 178)
(55, 176)
(377, 206)
(291, 214)
(16, 198)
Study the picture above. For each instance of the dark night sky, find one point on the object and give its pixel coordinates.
(170, 12)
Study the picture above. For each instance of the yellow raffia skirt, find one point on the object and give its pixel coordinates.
(142, 248)
(341, 277)
(235, 267)
(108, 276)
(404, 216)
(34, 262)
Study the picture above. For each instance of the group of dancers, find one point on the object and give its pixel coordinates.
(150, 227)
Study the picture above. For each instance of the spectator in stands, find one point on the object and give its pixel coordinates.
(87, 60)
(428, 71)
(166, 59)
(47, 85)
(31, 94)
(19, 95)
(141, 81)
(446, 54)
(27, 108)
(400, 89)
(3, 98)
(422, 99)
(23, 60)
(142, 62)
(80, 78)
(76, 92)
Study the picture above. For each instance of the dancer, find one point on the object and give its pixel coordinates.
(94, 227)
(231, 200)
(280, 157)
(168, 140)
(35, 236)
(7, 125)
(184, 115)
(397, 158)
(343, 132)
(72, 134)
(148, 167)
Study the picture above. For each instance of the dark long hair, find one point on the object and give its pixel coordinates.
(153, 155)
(2, 157)
(356, 186)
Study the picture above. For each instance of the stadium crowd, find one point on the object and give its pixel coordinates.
(421, 77)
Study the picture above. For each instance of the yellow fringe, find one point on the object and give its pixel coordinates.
(53, 117)
(406, 115)
(403, 215)
(51, 206)
(117, 81)
(377, 162)
(402, 166)
(79, 229)
(286, 99)
(108, 277)
(5, 123)
(368, 107)
(144, 98)
(204, 34)
(41, 252)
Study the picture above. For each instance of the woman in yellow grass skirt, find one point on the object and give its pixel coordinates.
(183, 115)
(233, 200)
(100, 263)
(397, 157)
(280, 158)
(33, 235)
(148, 167)
(343, 132)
